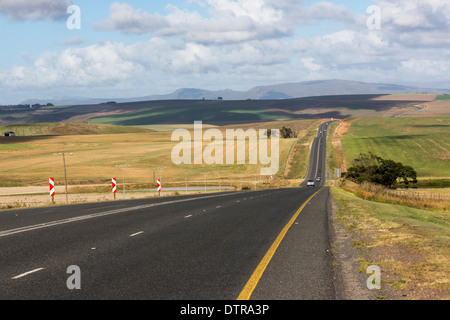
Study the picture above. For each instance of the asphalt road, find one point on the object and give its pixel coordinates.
(267, 244)
(317, 164)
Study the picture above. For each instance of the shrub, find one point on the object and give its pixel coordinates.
(372, 168)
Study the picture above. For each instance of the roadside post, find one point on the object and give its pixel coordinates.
(51, 183)
(160, 170)
(158, 186)
(114, 187)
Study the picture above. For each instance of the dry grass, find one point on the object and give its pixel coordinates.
(429, 109)
(436, 200)
(406, 97)
(411, 246)
(30, 161)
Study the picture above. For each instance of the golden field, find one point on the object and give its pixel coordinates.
(91, 159)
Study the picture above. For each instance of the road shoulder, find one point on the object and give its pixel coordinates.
(349, 283)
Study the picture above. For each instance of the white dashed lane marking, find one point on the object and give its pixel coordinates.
(136, 234)
(26, 273)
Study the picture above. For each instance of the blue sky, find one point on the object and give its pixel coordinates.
(49, 35)
(136, 48)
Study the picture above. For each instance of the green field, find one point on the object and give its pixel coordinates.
(423, 143)
(443, 97)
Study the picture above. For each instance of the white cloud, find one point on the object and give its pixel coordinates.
(34, 10)
(158, 61)
(128, 20)
(96, 65)
(230, 21)
(299, 14)
(415, 14)
(415, 23)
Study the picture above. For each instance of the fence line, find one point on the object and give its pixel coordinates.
(30, 198)
(419, 195)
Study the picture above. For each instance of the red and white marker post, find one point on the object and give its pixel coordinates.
(51, 184)
(114, 187)
(158, 186)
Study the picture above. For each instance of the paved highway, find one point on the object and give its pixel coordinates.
(317, 162)
(267, 244)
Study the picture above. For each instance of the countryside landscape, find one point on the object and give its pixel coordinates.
(407, 228)
(110, 191)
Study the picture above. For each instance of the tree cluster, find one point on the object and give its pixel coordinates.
(372, 168)
(286, 132)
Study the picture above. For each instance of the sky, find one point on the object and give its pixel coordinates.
(131, 48)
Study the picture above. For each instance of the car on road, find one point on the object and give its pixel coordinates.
(310, 183)
(318, 179)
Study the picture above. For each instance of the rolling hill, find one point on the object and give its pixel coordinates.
(270, 92)
(220, 112)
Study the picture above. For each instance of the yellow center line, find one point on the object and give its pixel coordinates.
(257, 274)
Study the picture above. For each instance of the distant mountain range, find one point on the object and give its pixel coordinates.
(271, 92)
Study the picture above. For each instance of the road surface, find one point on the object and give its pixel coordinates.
(265, 245)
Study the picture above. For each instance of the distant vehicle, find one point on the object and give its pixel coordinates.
(318, 179)
(310, 183)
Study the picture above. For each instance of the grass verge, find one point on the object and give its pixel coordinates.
(427, 199)
(410, 245)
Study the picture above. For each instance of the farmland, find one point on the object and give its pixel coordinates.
(422, 143)
(220, 112)
(30, 160)
(55, 129)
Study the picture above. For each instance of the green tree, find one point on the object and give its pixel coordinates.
(372, 168)
(286, 132)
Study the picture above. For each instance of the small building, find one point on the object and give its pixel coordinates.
(9, 134)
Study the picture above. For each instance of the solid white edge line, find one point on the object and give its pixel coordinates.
(26, 273)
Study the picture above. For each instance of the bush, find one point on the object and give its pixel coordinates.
(286, 132)
(372, 168)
